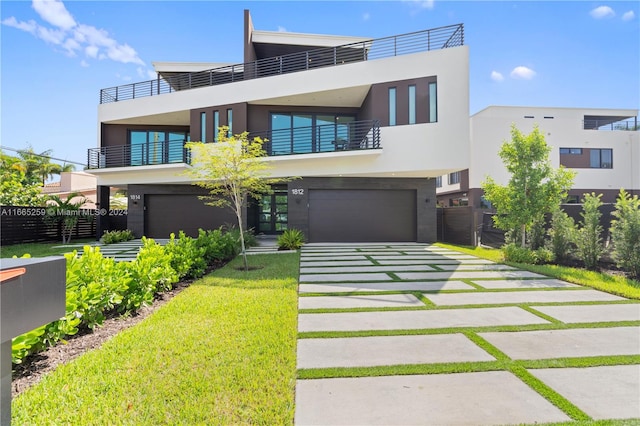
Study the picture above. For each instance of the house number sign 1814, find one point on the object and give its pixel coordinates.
(297, 191)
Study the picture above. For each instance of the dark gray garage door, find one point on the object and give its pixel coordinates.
(165, 214)
(369, 215)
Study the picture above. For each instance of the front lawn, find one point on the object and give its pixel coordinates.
(221, 352)
(42, 249)
(600, 281)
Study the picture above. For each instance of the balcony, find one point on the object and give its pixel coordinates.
(421, 41)
(594, 122)
(343, 137)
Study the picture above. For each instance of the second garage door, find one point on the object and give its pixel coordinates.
(370, 215)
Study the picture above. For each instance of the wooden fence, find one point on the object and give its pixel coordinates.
(34, 224)
(456, 225)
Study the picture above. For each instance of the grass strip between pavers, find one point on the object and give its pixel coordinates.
(220, 352)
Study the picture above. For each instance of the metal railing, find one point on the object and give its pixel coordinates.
(420, 41)
(355, 135)
(626, 125)
(159, 152)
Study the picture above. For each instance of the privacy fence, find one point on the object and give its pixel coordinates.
(40, 224)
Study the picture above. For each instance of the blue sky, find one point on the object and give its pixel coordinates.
(56, 56)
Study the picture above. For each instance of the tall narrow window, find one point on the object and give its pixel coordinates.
(216, 124)
(392, 106)
(230, 121)
(412, 104)
(433, 103)
(203, 126)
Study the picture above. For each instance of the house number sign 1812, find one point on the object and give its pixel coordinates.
(297, 191)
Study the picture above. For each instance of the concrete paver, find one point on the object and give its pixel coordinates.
(305, 278)
(471, 267)
(468, 274)
(384, 286)
(485, 298)
(388, 350)
(308, 264)
(436, 262)
(592, 313)
(541, 283)
(410, 320)
(357, 269)
(546, 344)
(426, 257)
(325, 258)
(495, 397)
(608, 392)
(382, 301)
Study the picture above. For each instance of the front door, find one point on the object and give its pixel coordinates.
(272, 212)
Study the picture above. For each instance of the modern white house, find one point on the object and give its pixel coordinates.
(365, 124)
(601, 145)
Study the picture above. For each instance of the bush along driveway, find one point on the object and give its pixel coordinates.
(415, 334)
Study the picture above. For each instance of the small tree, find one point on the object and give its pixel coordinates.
(561, 234)
(625, 233)
(66, 212)
(232, 170)
(534, 188)
(589, 235)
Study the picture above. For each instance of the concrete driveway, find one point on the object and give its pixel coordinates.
(404, 334)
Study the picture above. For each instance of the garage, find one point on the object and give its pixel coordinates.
(362, 215)
(165, 214)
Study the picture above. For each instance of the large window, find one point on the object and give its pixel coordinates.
(439, 182)
(230, 121)
(203, 126)
(571, 151)
(216, 125)
(601, 159)
(299, 133)
(156, 147)
(454, 178)
(412, 104)
(392, 106)
(433, 103)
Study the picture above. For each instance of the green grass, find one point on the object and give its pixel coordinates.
(613, 284)
(221, 352)
(41, 249)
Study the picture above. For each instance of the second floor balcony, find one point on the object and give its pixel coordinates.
(338, 138)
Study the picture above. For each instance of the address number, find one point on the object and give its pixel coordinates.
(135, 196)
(297, 191)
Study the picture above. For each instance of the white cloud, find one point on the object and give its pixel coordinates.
(282, 29)
(628, 16)
(91, 51)
(54, 12)
(366, 16)
(152, 74)
(523, 73)
(72, 36)
(496, 76)
(29, 26)
(84, 64)
(601, 12)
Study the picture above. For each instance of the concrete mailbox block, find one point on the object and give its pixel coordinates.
(33, 295)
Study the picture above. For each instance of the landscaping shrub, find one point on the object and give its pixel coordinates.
(514, 253)
(588, 236)
(291, 239)
(561, 234)
(625, 233)
(187, 257)
(219, 245)
(112, 237)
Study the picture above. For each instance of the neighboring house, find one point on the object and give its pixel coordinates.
(601, 145)
(366, 125)
(70, 182)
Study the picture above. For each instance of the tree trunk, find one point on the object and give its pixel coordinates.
(523, 237)
(242, 247)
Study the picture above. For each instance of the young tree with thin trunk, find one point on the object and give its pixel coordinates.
(232, 170)
(534, 189)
